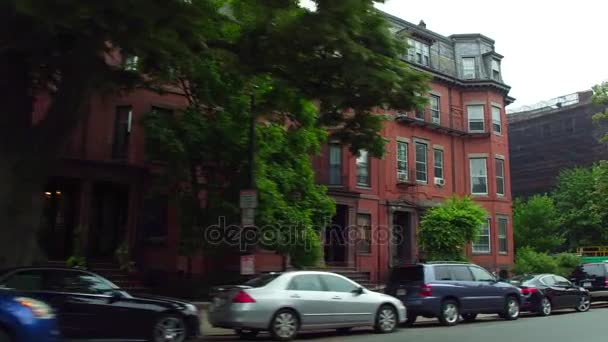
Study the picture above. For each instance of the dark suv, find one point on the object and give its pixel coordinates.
(448, 290)
(594, 278)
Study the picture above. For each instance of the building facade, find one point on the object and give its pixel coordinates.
(457, 145)
(552, 136)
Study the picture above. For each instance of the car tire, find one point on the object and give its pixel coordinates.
(544, 307)
(450, 313)
(169, 327)
(584, 304)
(284, 325)
(511, 310)
(386, 319)
(4, 336)
(469, 317)
(247, 334)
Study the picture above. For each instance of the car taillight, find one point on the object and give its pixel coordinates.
(426, 291)
(606, 282)
(528, 291)
(243, 297)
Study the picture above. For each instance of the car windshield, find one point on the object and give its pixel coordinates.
(262, 280)
(521, 280)
(407, 274)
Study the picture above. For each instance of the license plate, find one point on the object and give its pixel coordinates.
(587, 284)
(218, 301)
(401, 292)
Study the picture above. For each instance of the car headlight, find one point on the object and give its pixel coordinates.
(38, 308)
(191, 308)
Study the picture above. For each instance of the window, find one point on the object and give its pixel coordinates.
(122, 131)
(495, 70)
(500, 177)
(480, 274)
(262, 280)
(462, 273)
(438, 163)
(338, 284)
(479, 176)
(569, 125)
(443, 273)
(131, 63)
(496, 122)
(482, 245)
(418, 52)
(421, 166)
(78, 282)
(548, 280)
(475, 115)
(24, 281)
(503, 244)
(561, 281)
(419, 114)
(335, 164)
(363, 168)
(468, 68)
(435, 110)
(402, 161)
(364, 236)
(306, 282)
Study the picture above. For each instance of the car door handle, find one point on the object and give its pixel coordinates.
(336, 297)
(295, 296)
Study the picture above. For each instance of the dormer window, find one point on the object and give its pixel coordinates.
(468, 68)
(495, 70)
(418, 52)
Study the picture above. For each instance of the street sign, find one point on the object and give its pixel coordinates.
(248, 217)
(249, 199)
(247, 264)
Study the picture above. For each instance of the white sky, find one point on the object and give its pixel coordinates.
(551, 47)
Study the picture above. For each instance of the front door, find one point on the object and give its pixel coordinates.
(108, 219)
(401, 239)
(336, 239)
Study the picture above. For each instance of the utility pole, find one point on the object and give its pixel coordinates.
(252, 144)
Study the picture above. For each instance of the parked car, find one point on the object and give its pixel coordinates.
(89, 306)
(543, 293)
(594, 278)
(25, 319)
(448, 290)
(285, 303)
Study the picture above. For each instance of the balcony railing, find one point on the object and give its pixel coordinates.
(413, 120)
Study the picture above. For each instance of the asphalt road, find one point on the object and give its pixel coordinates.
(567, 326)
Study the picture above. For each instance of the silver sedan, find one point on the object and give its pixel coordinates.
(285, 303)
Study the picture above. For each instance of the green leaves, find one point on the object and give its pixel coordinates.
(537, 224)
(445, 230)
(600, 98)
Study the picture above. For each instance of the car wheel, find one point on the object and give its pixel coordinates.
(511, 311)
(169, 328)
(545, 307)
(386, 319)
(246, 334)
(284, 325)
(469, 317)
(584, 304)
(4, 336)
(449, 313)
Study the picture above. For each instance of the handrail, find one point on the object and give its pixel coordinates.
(592, 251)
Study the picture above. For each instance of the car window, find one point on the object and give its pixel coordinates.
(561, 281)
(31, 280)
(480, 274)
(407, 274)
(262, 280)
(548, 280)
(443, 273)
(595, 270)
(78, 282)
(337, 284)
(461, 273)
(306, 282)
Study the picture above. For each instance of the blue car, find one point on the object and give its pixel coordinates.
(24, 319)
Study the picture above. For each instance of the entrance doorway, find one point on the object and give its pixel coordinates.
(108, 221)
(336, 238)
(61, 198)
(401, 245)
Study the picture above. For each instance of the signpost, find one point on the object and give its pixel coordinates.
(247, 264)
(248, 203)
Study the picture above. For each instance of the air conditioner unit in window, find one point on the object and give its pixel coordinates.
(435, 121)
(439, 181)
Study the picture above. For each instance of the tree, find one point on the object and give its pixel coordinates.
(446, 229)
(529, 261)
(600, 98)
(341, 55)
(537, 224)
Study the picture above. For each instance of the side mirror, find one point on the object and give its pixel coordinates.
(115, 295)
(358, 291)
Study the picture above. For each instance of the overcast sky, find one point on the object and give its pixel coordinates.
(551, 48)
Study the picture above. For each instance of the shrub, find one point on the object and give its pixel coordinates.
(566, 263)
(529, 261)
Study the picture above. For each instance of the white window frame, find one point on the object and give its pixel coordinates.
(467, 72)
(495, 67)
(363, 160)
(424, 163)
(435, 112)
(470, 119)
(417, 49)
(502, 236)
(478, 248)
(496, 119)
(435, 165)
(502, 177)
(335, 163)
(485, 175)
(402, 173)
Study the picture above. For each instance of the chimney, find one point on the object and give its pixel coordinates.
(422, 24)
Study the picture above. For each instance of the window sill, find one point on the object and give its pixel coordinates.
(497, 133)
(422, 182)
(503, 253)
(364, 187)
(481, 253)
(480, 195)
(365, 254)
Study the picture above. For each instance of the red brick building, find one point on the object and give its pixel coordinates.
(458, 145)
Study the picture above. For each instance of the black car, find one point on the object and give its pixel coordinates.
(448, 290)
(594, 278)
(89, 306)
(543, 293)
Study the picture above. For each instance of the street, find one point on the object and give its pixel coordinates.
(566, 326)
